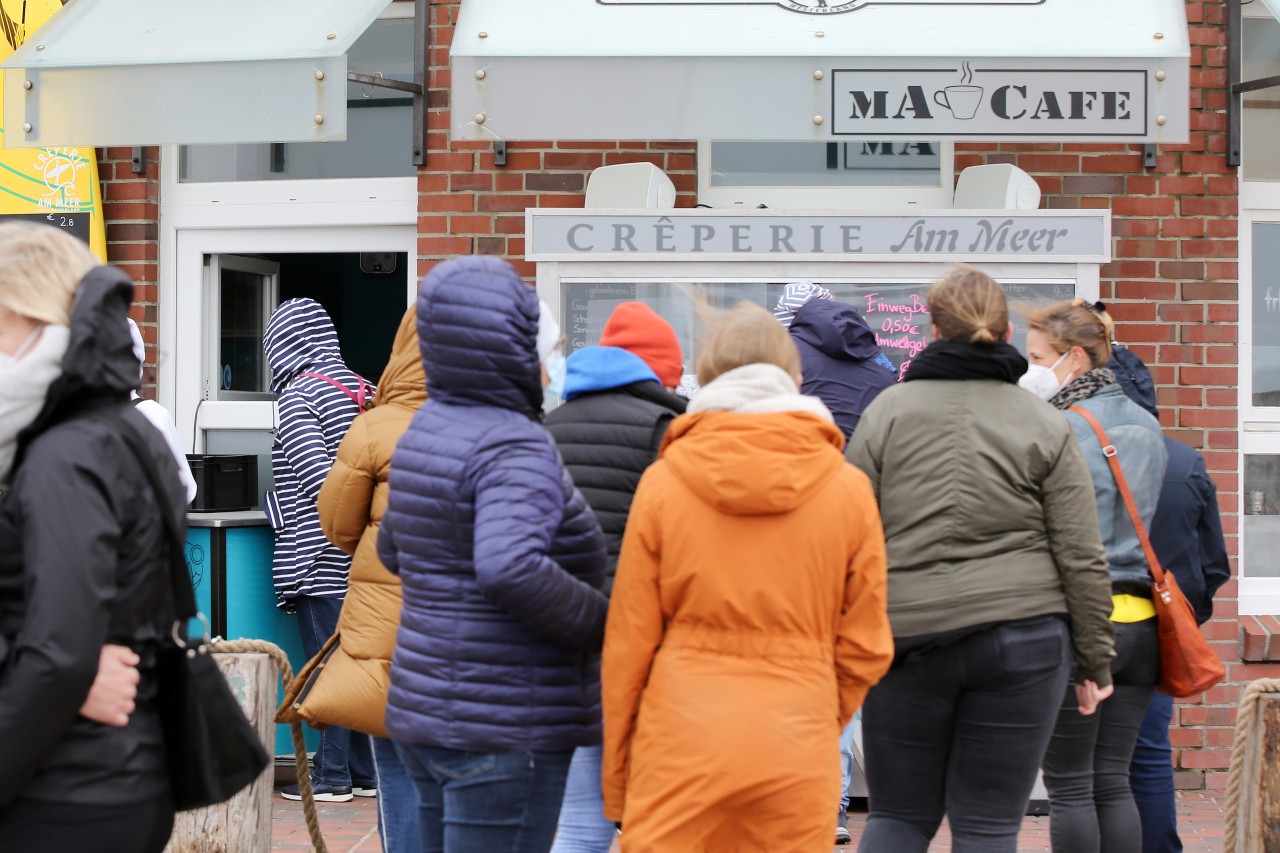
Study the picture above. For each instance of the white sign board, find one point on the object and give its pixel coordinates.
(566, 235)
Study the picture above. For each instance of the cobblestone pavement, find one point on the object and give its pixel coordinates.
(352, 827)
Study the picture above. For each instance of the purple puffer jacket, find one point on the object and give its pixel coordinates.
(500, 558)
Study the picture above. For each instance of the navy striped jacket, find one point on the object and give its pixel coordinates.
(314, 416)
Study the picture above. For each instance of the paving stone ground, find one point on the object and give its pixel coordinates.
(352, 827)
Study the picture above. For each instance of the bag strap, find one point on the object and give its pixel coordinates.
(358, 398)
(1109, 451)
(184, 597)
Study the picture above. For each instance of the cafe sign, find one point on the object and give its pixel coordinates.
(1051, 236)
(989, 99)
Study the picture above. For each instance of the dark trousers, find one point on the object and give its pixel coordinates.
(1151, 779)
(471, 802)
(959, 730)
(1086, 768)
(344, 758)
(40, 826)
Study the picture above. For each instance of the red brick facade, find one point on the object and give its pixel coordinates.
(1172, 286)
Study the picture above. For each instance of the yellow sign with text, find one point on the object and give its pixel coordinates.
(55, 186)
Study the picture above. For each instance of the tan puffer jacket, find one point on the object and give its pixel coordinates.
(352, 689)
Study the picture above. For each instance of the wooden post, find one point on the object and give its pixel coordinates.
(243, 823)
(1258, 815)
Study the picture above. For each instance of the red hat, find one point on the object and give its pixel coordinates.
(636, 328)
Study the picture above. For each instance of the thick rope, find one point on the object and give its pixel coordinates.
(221, 646)
(1245, 716)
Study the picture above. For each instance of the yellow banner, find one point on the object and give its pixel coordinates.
(57, 186)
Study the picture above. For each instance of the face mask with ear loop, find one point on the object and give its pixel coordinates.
(557, 367)
(1042, 381)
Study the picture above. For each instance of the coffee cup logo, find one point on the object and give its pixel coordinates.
(962, 99)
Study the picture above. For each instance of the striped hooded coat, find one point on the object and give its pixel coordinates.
(314, 416)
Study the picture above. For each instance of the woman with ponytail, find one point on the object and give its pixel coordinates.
(1086, 768)
(997, 581)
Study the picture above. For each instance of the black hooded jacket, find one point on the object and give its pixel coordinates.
(83, 562)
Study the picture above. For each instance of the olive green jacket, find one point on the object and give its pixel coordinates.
(988, 511)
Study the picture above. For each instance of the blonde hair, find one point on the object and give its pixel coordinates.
(40, 268)
(1075, 323)
(967, 303)
(744, 334)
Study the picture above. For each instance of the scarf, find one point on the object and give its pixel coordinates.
(1082, 388)
(24, 382)
(756, 389)
(952, 358)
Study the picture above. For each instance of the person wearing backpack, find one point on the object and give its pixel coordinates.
(318, 398)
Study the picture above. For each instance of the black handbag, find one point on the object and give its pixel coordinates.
(213, 750)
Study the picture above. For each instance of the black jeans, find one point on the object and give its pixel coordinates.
(40, 826)
(960, 729)
(1086, 767)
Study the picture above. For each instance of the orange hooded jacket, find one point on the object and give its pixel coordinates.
(746, 625)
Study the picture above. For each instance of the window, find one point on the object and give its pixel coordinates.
(242, 293)
(1260, 158)
(825, 175)
(379, 135)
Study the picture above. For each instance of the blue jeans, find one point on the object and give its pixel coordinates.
(342, 760)
(469, 802)
(1086, 767)
(959, 729)
(583, 826)
(1151, 779)
(846, 764)
(397, 801)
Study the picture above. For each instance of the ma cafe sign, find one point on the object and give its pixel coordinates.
(576, 235)
(989, 100)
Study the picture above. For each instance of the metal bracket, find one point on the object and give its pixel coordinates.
(500, 153)
(139, 161)
(1149, 156)
(421, 9)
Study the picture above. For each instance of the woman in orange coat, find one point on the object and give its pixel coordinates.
(748, 615)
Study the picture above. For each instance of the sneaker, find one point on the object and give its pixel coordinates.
(842, 831)
(364, 790)
(323, 793)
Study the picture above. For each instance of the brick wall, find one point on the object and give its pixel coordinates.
(1172, 286)
(132, 211)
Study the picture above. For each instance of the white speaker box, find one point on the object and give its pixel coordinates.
(1000, 186)
(630, 185)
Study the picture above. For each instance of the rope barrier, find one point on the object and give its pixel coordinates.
(1245, 716)
(220, 646)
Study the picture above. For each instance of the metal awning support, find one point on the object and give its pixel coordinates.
(421, 8)
(1236, 86)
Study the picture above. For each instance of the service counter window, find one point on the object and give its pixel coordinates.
(825, 175)
(895, 309)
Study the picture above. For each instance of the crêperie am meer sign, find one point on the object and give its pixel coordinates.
(565, 235)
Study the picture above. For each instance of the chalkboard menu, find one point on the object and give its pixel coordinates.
(76, 224)
(895, 310)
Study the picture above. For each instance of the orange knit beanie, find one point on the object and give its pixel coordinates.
(637, 328)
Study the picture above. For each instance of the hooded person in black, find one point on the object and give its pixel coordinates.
(84, 561)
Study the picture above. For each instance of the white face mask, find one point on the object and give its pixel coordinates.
(1042, 381)
(25, 377)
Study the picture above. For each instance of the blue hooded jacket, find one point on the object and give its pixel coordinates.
(499, 557)
(841, 363)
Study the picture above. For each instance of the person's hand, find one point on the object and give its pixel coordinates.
(110, 699)
(1090, 695)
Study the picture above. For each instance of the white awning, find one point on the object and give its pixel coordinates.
(968, 70)
(147, 72)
